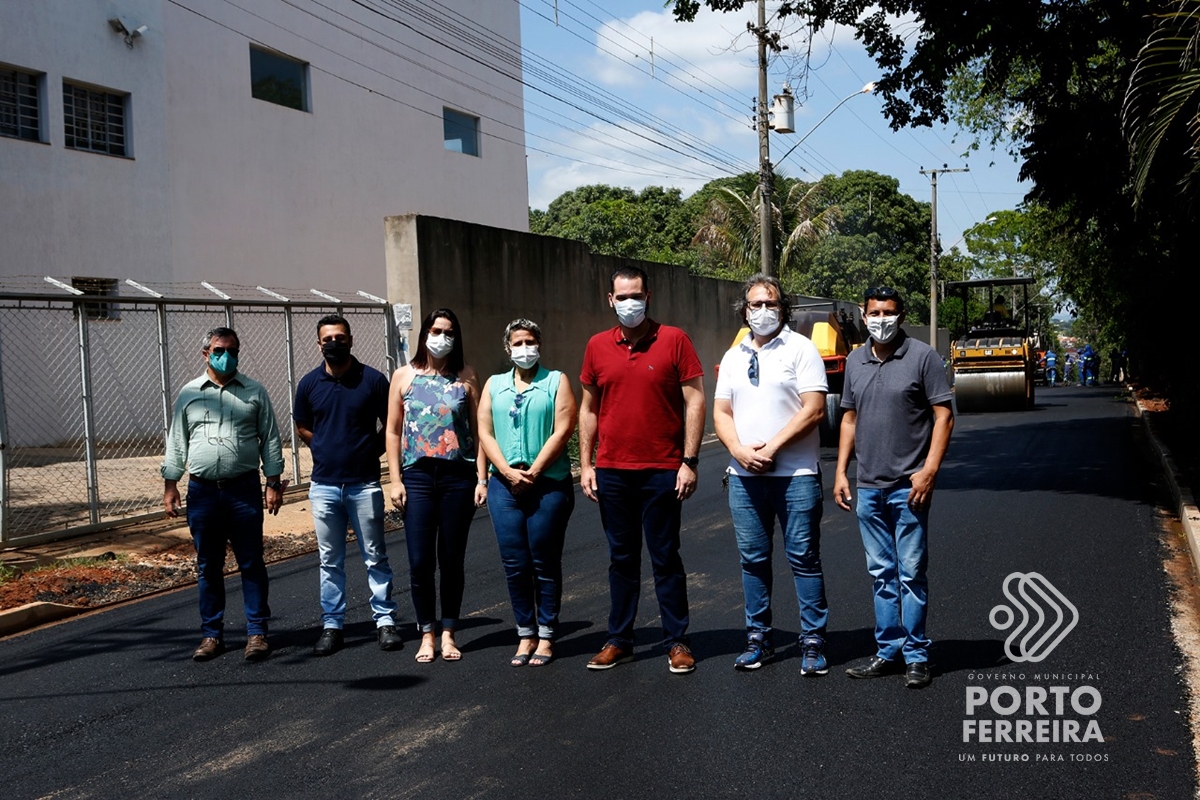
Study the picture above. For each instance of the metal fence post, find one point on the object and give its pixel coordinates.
(164, 369)
(3, 454)
(291, 382)
(89, 432)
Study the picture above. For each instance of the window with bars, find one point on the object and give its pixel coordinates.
(94, 119)
(20, 104)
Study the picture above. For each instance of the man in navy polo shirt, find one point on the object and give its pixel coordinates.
(341, 407)
(898, 421)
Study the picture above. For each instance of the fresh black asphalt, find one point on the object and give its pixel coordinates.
(111, 706)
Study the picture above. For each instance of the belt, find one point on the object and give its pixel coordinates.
(223, 483)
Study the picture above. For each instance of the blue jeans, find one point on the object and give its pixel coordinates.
(229, 511)
(530, 530)
(797, 502)
(437, 519)
(894, 537)
(636, 503)
(334, 506)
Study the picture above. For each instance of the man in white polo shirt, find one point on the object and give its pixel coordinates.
(769, 401)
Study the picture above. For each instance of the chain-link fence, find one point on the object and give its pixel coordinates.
(87, 388)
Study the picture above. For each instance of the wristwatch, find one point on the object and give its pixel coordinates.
(276, 485)
(691, 461)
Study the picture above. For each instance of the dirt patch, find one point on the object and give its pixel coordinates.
(101, 583)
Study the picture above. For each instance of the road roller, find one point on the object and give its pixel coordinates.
(994, 360)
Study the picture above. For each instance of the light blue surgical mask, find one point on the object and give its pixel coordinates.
(225, 363)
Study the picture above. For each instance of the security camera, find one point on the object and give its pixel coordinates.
(127, 29)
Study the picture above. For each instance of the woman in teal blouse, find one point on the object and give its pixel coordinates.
(526, 416)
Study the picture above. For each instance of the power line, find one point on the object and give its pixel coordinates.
(733, 92)
(448, 26)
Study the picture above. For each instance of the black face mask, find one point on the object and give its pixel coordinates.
(336, 352)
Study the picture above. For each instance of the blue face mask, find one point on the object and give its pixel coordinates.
(226, 363)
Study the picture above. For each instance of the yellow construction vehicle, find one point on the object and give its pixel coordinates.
(993, 361)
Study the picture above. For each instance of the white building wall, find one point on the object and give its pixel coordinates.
(227, 188)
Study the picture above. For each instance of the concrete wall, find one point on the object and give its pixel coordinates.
(223, 187)
(489, 276)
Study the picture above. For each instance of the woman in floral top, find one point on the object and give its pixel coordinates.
(437, 479)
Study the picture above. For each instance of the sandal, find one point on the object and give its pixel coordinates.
(453, 654)
(522, 658)
(540, 659)
(426, 653)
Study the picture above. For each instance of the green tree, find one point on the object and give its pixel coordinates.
(1162, 106)
(651, 225)
(730, 231)
(883, 240)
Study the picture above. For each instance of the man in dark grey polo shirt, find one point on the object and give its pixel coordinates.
(898, 421)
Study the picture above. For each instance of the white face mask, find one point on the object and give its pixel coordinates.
(763, 321)
(630, 313)
(883, 329)
(525, 356)
(439, 345)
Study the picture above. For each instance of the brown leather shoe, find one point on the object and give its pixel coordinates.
(210, 647)
(257, 648)
(681, 659)
(609, 657)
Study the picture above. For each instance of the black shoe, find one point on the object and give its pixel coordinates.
(329, 643)
(875, 668)
(917, 676)
(389, 638)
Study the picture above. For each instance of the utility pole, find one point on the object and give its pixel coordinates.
(766, 248)
(934, 247)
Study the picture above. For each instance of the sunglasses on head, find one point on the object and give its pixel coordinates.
(879, 293)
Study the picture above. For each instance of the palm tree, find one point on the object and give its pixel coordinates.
(1164, 94)
(802, 218)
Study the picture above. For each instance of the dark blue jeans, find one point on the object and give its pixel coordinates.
(221, 511)
(636, 503)
(530, 530)
(437, 519)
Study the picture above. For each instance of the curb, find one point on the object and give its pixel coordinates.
(30, 615)
(1183, 496)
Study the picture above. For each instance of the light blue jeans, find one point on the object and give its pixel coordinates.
(334, 506)
(894, 537)
(796, 501)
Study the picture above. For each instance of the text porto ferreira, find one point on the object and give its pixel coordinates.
(1052, 709)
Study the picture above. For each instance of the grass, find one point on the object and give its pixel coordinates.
(7, 573)
(106, 560)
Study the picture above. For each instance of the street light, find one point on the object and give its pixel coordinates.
(767, 253)
(870, 87)
(967, 232)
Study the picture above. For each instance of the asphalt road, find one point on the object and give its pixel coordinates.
(111, 706)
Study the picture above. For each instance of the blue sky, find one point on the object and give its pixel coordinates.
(688, 122)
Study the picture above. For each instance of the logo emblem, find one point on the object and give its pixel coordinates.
(1038, 599)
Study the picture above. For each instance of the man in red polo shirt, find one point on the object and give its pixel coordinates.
(643, 397)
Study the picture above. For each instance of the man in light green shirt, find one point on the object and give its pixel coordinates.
(223, 428)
